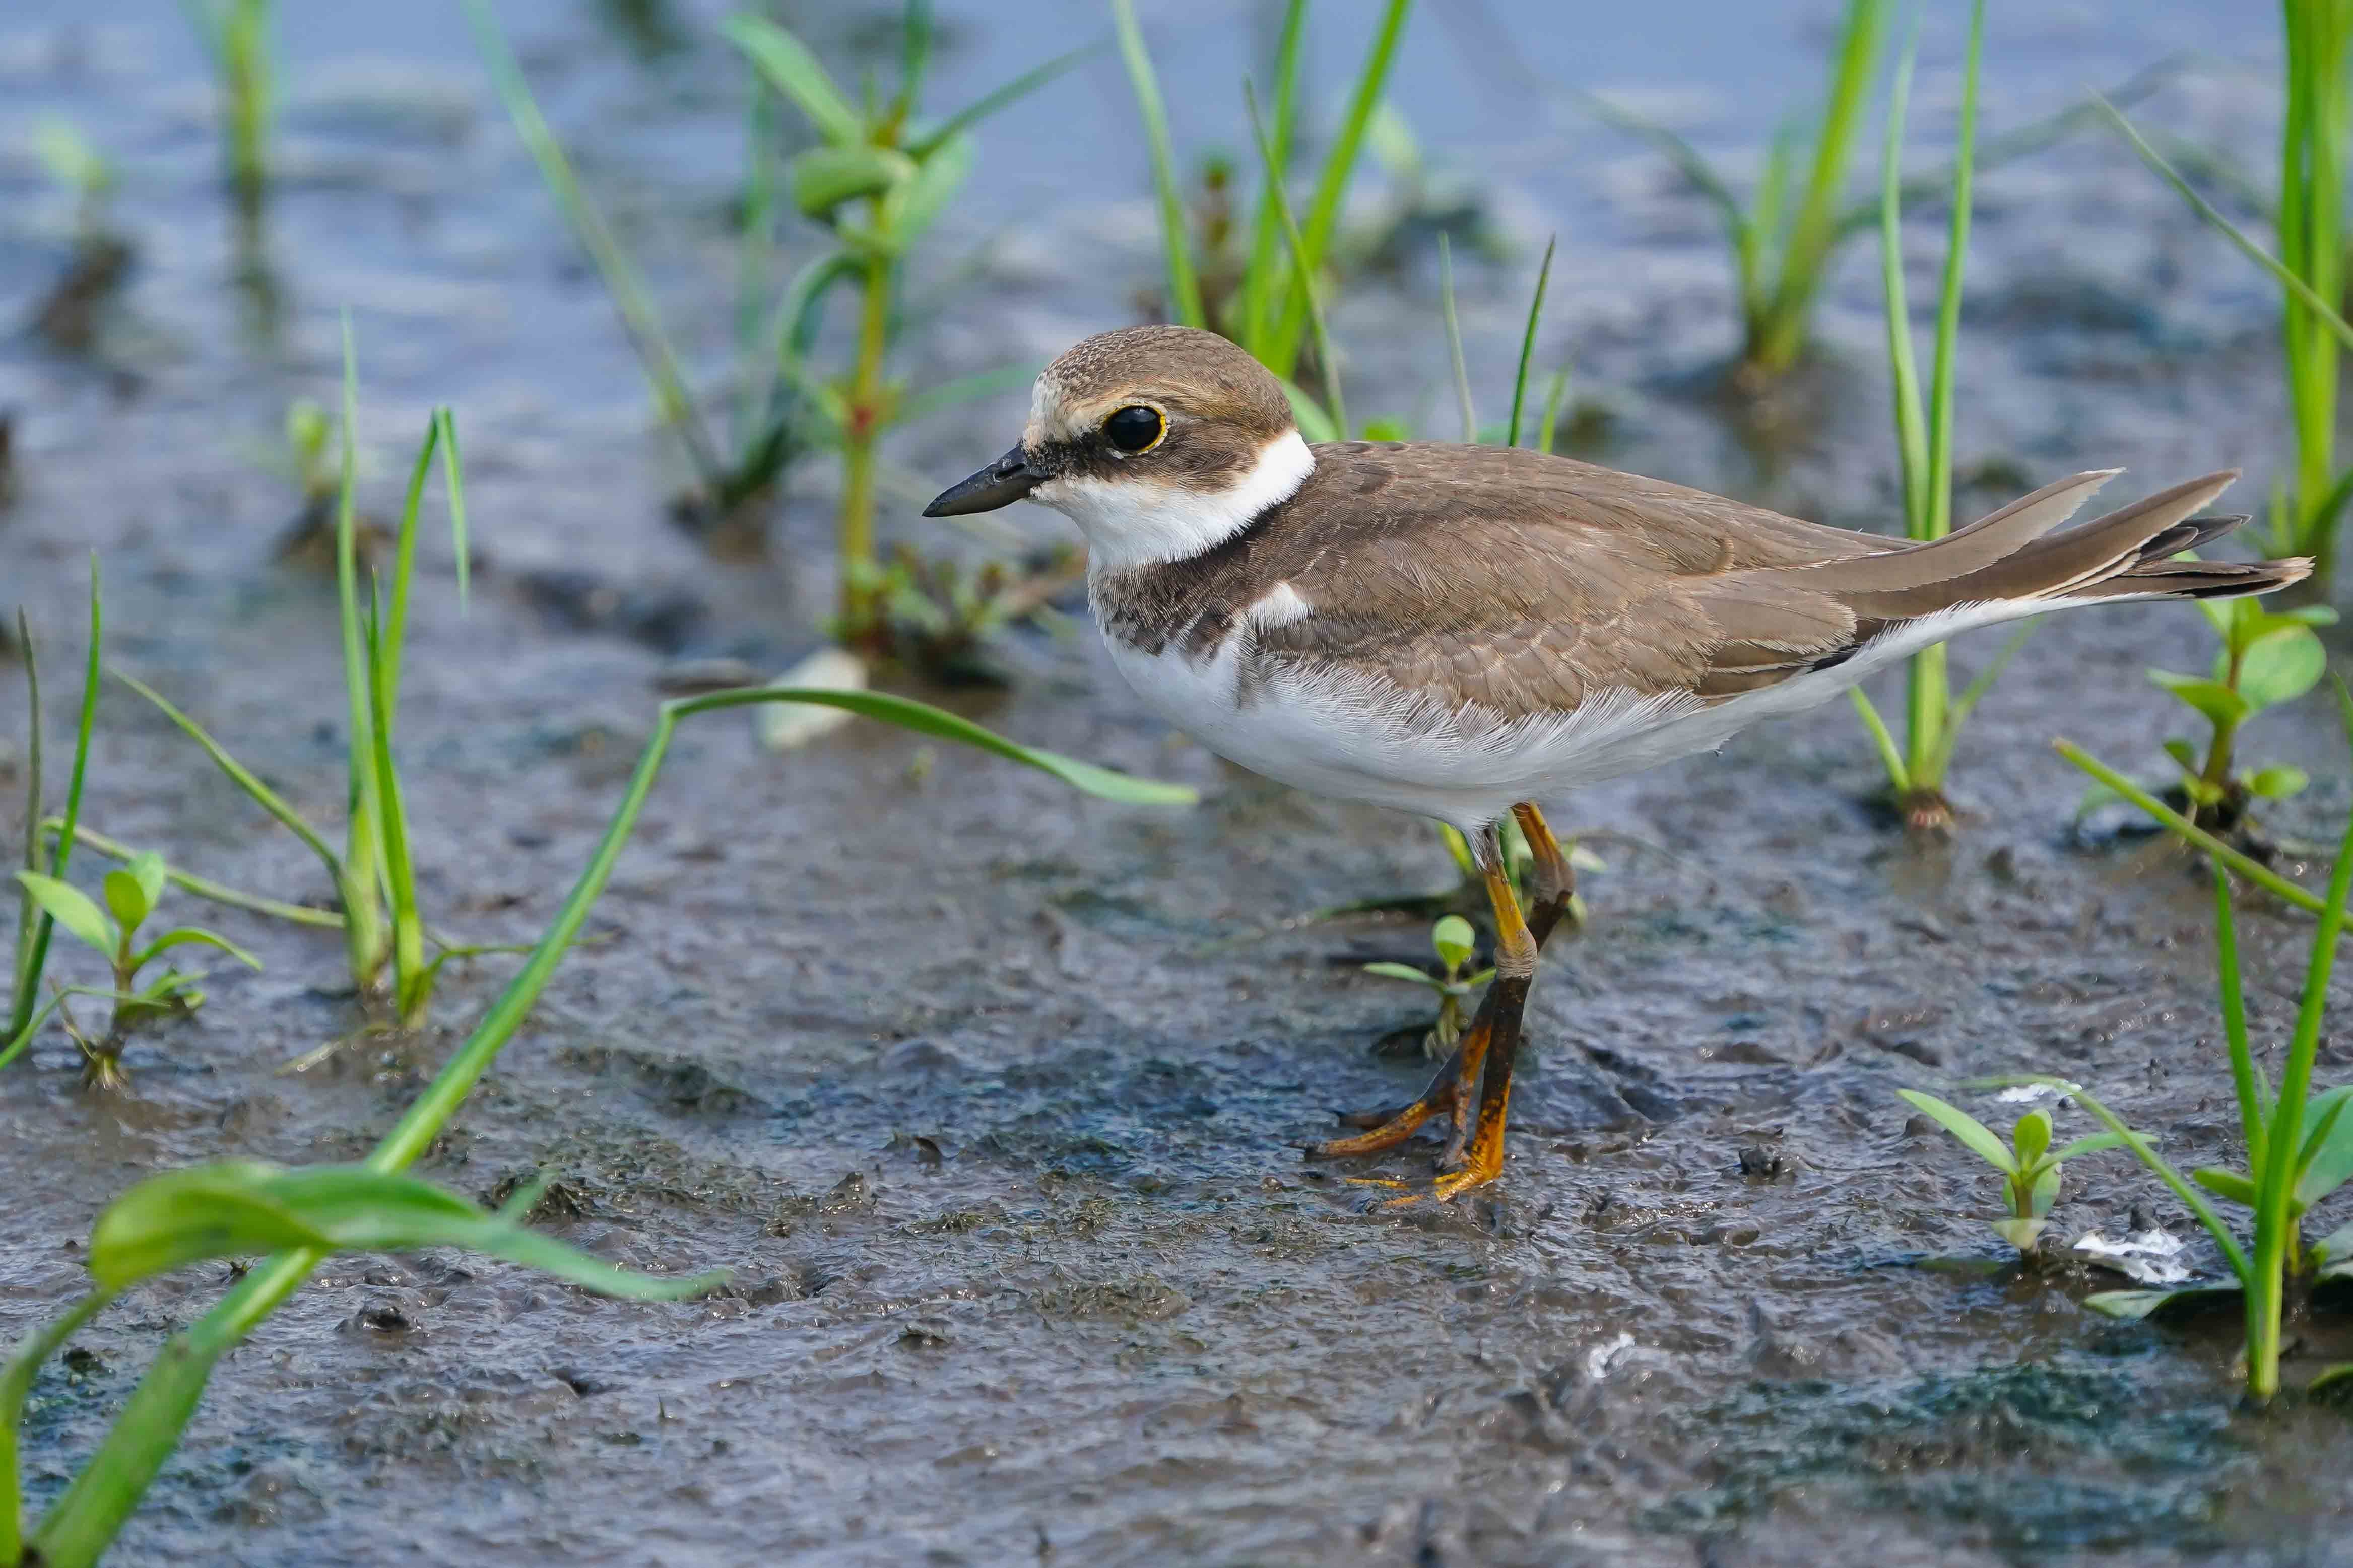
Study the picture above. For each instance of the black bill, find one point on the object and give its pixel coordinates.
(1001, 483)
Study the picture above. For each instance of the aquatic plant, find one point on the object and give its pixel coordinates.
(235, 34)
(2267, 659)
(878, 182)
(374, 876)
(2028, 1166)
(1932, 715)
(2310, 268)
(1454, 943)
(35, 925)
(302, 1216)
(131, 893)
(2299, 1146)
(77, 167)
(1269, 305)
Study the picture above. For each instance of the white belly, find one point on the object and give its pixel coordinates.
(1355, 740)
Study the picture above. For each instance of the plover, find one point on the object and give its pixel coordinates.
(1460, 631)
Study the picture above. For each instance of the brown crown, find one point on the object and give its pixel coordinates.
(1182, 369)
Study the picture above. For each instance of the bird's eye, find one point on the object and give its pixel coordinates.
(1135, 429)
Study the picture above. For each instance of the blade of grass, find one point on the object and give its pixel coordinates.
(1455, 343)
(1184, 284)
(1949, 298)
(1264, 270)
(621, 281)
(1904, 370)
(16, 1385)
(22, 1005)
(453, 482)
(26, 983)
(2188, 832)
(85, 1518)
(408, 965)
(1899, 777)
(1528, 343)
(2254, 1101)
(199, 887)
(1328, 358)
(1004, 96)
(1332, 184)
(363, 863)
(1554, 397)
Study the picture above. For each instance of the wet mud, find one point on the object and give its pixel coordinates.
(985, 1094)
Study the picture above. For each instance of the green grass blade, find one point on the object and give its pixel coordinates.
(16, 1385)
(395, 627)
(1184, 284)
(1554, 397)
(1948, 299)
(796, 73)
(24, 1005)
(1904, 372)
(23, 974)
(914, 56)
(1891, 756)
(1814, 228)
(1333, 403)
(1332, 184)
(630, 299)
(1688, 159)
(199, 887)
(1004, 96)
(1528, 344)
(1265, 273)
(1455, 343)
(964, 389)
(453, 481)
(409, 966)
(2189, 833)
(362, 864)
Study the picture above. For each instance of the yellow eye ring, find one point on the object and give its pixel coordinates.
(1135, 429)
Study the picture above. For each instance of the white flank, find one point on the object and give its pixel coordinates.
(1134, 521)
(1360, 739)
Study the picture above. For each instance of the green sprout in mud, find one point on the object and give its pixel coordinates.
(131, 893)
(2299, 1146)
(77, 167)
(2268, 658)
(304, 1215)
(1932, 715)
(943, 618)
(236, 36)
(2028, 1166)
(1454, 943)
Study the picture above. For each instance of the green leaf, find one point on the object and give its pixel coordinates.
(2228, 1184)
(190, 936)
(2184, 754)
(2335, 1250)
(1389, 969)
(1453, 940)
(914, 205)
(2282, 666)
(792, 70)
(2217, 701)
(152, 874)
(70, 908)
(2327, 1158)
(2097, 1143)
(2020, 1234)
(1012, 92)
(1965, 1127)
(2278, 782)
(125, 898)
(2046, 1190)
(826, 176)
(2030, 1138)
(2134, 1305)
(239, 1208)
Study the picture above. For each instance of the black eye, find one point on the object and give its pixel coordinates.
(1135, 429)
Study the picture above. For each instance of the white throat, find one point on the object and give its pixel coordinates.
(1139, 521)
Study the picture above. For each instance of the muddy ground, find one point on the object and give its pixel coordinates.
(985, 1093)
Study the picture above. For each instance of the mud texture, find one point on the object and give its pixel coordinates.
(985, 1093)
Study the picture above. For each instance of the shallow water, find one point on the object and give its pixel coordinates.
(1115, 1321)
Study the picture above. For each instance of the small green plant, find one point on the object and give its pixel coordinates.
(1454, 943)
(235, 34)
(375, 879)
(2310, 268)
(942, 618)
(1270, 305)
(35, 925)
(306, 1214)
(131, 893)
(2299, 1146)
(1933, 716)
(2267, 659)
(77, 167)
(2028, 1166)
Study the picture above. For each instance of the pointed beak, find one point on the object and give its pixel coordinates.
(1001, 483)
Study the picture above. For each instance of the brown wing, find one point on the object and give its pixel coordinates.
(1525, 583)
